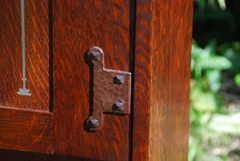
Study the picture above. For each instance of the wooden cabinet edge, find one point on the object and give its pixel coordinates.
(161, 80)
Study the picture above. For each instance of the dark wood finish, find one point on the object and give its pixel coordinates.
(10, 155)
(37, 54)
(162, 80)
(26, 130)
(60, 79)
(79, 25)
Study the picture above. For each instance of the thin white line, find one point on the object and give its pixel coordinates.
(23, 41)
(23, 91)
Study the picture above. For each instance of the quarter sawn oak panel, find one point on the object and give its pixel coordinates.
(37, 54)
(79, 25)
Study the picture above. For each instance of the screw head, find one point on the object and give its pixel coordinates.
(94, 56)
(118, 106)
(119, 79)
(93, 123)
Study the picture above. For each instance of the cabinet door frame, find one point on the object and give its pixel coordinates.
(155, 46)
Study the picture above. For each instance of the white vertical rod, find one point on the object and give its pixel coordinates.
(23, 91)
(23, 45)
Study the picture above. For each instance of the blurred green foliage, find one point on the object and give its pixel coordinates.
(213, 126)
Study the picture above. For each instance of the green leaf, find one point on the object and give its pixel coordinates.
(203, 101)
(198, 70)
(210, 48)
(196, 51)
(216, 62)
(222, 4)
(205, 117)
(237, 80)
(214, 78)
(234, 56)
(227, 124)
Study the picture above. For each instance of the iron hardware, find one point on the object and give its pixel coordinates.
(111, 90)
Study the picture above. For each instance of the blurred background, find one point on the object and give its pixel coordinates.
(215, 81)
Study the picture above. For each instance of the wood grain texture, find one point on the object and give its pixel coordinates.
(26, 130)
(37, 54)
(162, 80)
(79, 25)
(11, 155)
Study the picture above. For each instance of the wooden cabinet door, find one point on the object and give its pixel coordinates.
(57, 36)
(25, 118)
(77, 26)
(151, 39)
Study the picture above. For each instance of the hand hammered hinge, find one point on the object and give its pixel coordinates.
(111, 90)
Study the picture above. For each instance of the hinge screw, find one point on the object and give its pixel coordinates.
(119, 79)
(93, 123)
(94, 56)
(118, 106)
